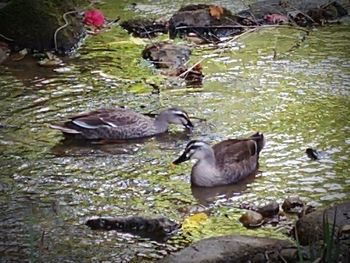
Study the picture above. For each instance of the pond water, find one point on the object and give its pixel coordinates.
(298, 98)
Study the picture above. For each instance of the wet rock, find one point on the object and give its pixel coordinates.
(311, 227)
(4, 52)
(251, 219)
(293, 204)
(165, 55)
(32, 24)
(269, 210)
(158, 229)
(172, 59)
(214, 23)
(209, 22)
(145, 28)
(235, 248)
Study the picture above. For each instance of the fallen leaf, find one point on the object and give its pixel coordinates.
(216, 11)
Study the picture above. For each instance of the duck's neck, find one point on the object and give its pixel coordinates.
(205, 172)
(160, 122)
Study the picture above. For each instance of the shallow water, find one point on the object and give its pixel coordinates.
(49, 187)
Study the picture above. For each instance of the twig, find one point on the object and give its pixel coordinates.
(7, 38)
(61, 27)
(192, 67)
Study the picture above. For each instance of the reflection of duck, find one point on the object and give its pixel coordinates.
(226, 162)
(208, 195)
(69, 146)
(121, 123)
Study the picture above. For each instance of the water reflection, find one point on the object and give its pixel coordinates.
(207, 196)
(69, 146)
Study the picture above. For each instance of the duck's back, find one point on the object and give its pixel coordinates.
(116, 123)
(236, 158)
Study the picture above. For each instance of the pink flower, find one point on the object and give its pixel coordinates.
(94, 17)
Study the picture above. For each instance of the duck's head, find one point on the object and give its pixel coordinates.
(194, 150)
(176, 116)
(312, 153)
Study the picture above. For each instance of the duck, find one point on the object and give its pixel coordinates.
(312, 154)
(227, 162)
(121, 124)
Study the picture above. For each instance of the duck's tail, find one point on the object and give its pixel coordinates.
(259, 139)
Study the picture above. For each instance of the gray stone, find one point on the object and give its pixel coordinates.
(310, 227)
(235, 248)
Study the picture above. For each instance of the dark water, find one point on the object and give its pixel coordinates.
(49, 187)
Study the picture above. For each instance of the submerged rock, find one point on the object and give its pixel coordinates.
(235, 248)
(159, 229)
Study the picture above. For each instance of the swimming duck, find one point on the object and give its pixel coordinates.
(121, 123)
(225, 163)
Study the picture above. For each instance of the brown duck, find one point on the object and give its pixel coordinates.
(225, 163)
(121, 124)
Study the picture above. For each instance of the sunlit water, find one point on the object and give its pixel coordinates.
(49, 187)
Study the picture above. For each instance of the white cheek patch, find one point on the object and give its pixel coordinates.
(198, 144)
(179, 112)
(189, 153)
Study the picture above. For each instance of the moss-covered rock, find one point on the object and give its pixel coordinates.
(32, 23)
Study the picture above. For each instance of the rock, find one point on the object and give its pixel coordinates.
(208, 22)
(269, 210)
(32, 24)
(172, 59)
(251, 219)
(158, 229)
(310, 227)
(166, 55)
(293, 204)
(235, 248)
(4, 52)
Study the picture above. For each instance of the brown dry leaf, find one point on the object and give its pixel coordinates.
(216, 11)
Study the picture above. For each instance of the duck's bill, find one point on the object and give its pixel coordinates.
(183, 158)
(189, 125)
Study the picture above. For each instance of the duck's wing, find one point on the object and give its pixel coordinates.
(234, 150)
(113, 118)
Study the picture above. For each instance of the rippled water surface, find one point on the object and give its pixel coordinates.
(49, 187)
